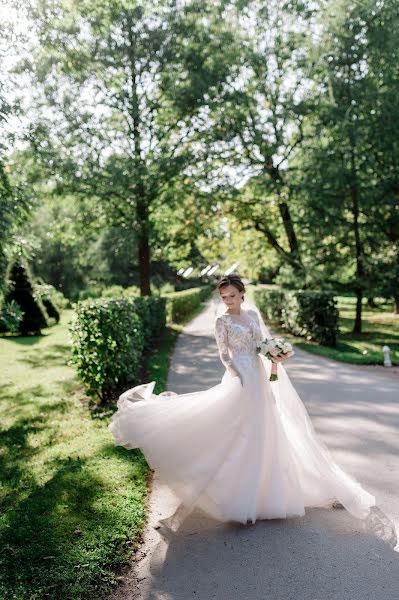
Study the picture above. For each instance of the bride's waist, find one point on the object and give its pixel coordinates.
(244, 356)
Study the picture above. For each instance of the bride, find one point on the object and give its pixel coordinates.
(244, 449)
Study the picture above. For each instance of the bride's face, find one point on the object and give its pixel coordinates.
(231, 297)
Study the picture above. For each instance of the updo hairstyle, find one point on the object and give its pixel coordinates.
(232, 279)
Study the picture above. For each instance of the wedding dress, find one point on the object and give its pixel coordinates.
(242, 450)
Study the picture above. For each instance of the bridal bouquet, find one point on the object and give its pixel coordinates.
(275, 347)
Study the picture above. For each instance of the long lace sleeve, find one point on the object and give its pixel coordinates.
(257, 327)
(222, 342)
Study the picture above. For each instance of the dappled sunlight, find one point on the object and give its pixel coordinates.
(71, 500)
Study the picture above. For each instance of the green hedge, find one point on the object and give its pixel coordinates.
(308, 313)
(270, 303)
(179, 305)
(112, 336)
(109, 340)
(152, 313)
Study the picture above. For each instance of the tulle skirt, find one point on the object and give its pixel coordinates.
(240, 451)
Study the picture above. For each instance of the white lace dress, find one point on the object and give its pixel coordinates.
(242, 450)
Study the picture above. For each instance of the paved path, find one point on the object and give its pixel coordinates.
(325, 555)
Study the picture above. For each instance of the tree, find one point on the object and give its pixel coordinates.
(345, 187)
(258, 121)
(13, 201)
(124, 80)
(21, 291)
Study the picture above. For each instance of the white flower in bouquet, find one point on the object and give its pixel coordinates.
(275, 347)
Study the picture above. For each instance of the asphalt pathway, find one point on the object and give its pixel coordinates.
(326, 554)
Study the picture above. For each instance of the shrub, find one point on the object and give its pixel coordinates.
(113, 291)
(10, 317)
(21, 290)
(153, 316)
(166, 288)
(179, 305)
(109, 339)
(90, 293)
(206, 291)
(157, 306)
(108, 342)
(118, 291)
(270, 302)
(309, 313)
(48, 294)
(313, 314)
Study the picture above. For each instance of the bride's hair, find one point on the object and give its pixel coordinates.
(231, 280)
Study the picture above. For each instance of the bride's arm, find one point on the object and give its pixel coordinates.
(223, 347)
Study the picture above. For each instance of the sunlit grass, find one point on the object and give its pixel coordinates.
(72, 505)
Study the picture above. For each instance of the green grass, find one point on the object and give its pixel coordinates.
(72, 504)
(380, 326)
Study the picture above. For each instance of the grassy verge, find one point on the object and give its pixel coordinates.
(72, 505)
(380, 326)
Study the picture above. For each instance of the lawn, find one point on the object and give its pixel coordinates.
(72, 505)
(380, 326)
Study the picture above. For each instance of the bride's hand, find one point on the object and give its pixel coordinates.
(277, 359)
(234, 373)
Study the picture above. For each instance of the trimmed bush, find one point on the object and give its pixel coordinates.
(206, 291)
(108, 343)
(110, 338)
(11, 316)
(113, 291)
(47, 293)
(309, 313)
(21, 290)
(179, 305)
(312, 314)
(270, 302)
(152, 324)
(89, 293)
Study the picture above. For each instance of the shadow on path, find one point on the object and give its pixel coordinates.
(325, 555)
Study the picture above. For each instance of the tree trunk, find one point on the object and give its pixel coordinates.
(294, 254)
(358, 319)
(358, 244)
(144, 254)
(289, 229)
(397, 304)
(144, 248)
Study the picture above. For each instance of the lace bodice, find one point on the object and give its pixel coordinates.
(237, 337)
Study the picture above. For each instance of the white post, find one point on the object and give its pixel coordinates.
(387, 358)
